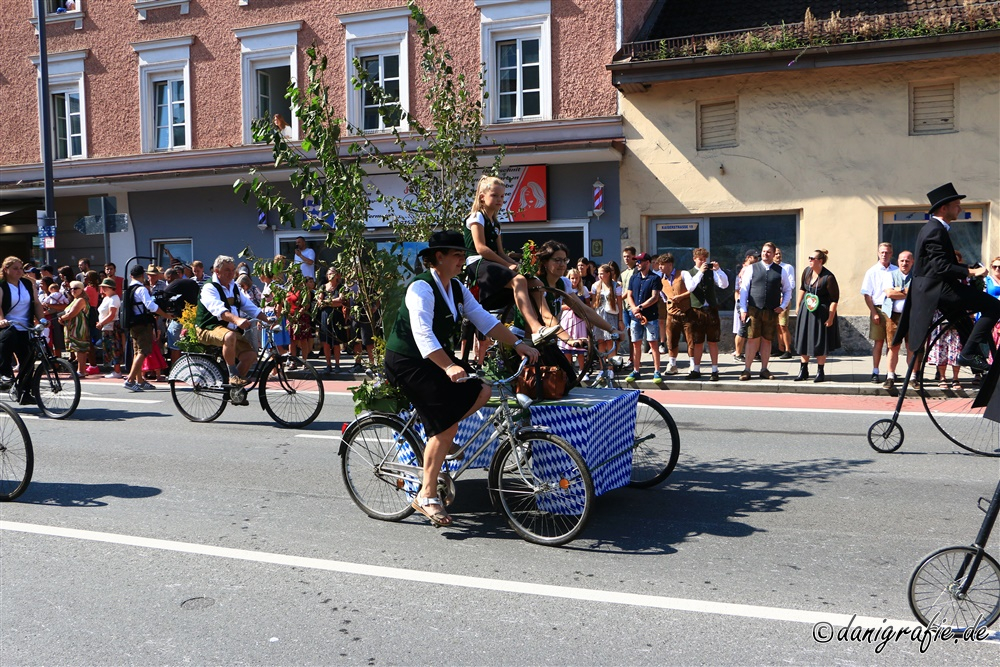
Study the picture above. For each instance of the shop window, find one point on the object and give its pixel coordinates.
(166, 250)
(900, 228)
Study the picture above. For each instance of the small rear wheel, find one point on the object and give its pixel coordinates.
(657, 444)
(17, 460)
(293, 397)
(57, 388)
(543, 487)
(197, 387)
(381, 463)
(936, 594)
(885, 436)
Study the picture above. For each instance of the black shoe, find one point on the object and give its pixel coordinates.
(740, 358)
(765, 374)
(693, 375)
(874, 379)
(974, 361)
(803, 373)
(26, 399)
(786, 355)
(890, 383)
(714, 377)
(757, 357)
(820, 375)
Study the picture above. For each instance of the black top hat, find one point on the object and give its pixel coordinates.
(444, 240)
(940, 196)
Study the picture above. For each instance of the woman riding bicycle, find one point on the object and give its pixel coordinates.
(420, 360)
(19, 309)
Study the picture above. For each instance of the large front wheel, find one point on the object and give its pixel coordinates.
(543, 487)
(381, 463)
(293, 398)
(657, 444)
(945, 590)
(17, 460)
(57, 388)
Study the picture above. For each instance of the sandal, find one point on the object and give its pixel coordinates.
(433, 510)
(943, 384)
(956, 385)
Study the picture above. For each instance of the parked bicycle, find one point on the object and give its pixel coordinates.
(956, 412)
(53, 383)
(288, 387)
(17, 459)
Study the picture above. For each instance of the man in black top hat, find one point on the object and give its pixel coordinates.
(938, 283)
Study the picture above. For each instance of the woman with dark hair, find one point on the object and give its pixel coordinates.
(816, 331)
(553, 258)
(420, 358)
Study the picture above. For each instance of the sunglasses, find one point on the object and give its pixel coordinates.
(995, 266)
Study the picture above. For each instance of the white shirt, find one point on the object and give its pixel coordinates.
(308, 270)
(20, 306)
(141, 295)
(478, 219)
(420, 304)
(210, 299)
(104, 309)
(747, 274)
(790, 271)
(877, 279)
(691, 282)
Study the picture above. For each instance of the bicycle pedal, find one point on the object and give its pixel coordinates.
(984, 501)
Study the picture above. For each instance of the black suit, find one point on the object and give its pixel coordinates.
(937, 284)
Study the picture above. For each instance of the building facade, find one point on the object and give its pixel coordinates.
(152, 102)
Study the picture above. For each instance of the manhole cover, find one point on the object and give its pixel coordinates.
(197, 603)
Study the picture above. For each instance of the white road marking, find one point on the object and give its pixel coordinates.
(461, 581)
(750, 408)
(316, 435)
(105, 399)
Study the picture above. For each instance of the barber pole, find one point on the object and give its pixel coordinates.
(598, 198)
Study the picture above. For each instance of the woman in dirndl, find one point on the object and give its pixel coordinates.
(420, 358)
(816, 331)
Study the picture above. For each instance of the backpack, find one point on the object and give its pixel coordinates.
(126, 317)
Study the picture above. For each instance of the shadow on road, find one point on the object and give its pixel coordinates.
(713, 498)
(82, 495)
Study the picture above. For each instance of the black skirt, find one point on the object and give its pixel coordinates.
(812, 337)
(492, 279)
(439, 402)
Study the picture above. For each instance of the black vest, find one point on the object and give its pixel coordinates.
(704, 293)
(446, 328)
(765, 287)
(32, 294)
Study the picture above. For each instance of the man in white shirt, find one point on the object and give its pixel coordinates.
(784, 335)
(705, 283)
(877, 279)
(892, 310)
(305, 257)
(144, 311)
(764, 295)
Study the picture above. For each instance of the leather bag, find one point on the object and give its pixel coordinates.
(543, 382)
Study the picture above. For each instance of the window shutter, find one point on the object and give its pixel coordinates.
(717, 125)
(932, 108)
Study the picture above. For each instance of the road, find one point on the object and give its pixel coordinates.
(144, 539)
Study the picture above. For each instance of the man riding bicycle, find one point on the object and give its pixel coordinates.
(19, 309)
(222, 318)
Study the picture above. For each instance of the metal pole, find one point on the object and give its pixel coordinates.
(107, 239)
(46, 114)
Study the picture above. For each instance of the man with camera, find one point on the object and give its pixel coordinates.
(704, 282)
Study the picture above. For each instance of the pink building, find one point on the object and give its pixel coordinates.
(152, 101)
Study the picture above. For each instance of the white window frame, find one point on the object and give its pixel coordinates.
(156, 244)
(71, 89)
(160, 60)
(65, 75)
(143, 6)
(379, 32)
(75, 17)
(502, 20)
(263, 47)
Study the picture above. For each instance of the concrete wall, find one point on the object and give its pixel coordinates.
(831, 144)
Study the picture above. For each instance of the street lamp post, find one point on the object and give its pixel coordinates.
(46, 114)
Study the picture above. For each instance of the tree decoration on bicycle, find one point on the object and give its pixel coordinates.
(529, 266)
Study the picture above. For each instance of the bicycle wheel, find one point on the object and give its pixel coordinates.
(951, 410)
(57, 388)
(935, 589)
(17, 459)
(197, 387)
(657, 444)
(555, 298)
(542, 486)
(885, 436)
(292, 398)
(372, 454)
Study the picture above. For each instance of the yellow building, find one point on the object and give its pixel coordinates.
(810, 145)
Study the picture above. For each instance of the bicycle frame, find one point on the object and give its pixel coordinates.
(982, 538)
(267, 351)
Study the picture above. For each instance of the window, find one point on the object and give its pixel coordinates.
(900, 228)
(165, 250)
(516, 47)
(727, 239)
(379, 41)
(67, 124)
(269, 63)
(717, 125)
(53, 6)
(932, 108)
(164, 94)
(143, 6)
(66, 104)
(60, 11)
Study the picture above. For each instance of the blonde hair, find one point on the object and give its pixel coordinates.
(485, 183)
(575, 273)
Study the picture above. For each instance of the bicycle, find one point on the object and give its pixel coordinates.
(55, 385)
(17, 458)
(199, 385)
(959, 584)
(956, 413)
(540, 482)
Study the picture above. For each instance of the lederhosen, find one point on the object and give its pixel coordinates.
(439, 402)
(705, 309)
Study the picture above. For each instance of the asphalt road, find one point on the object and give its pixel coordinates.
(146, 539)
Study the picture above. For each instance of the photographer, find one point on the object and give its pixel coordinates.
(704, 282)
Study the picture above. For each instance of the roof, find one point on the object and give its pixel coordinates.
(682, 17)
